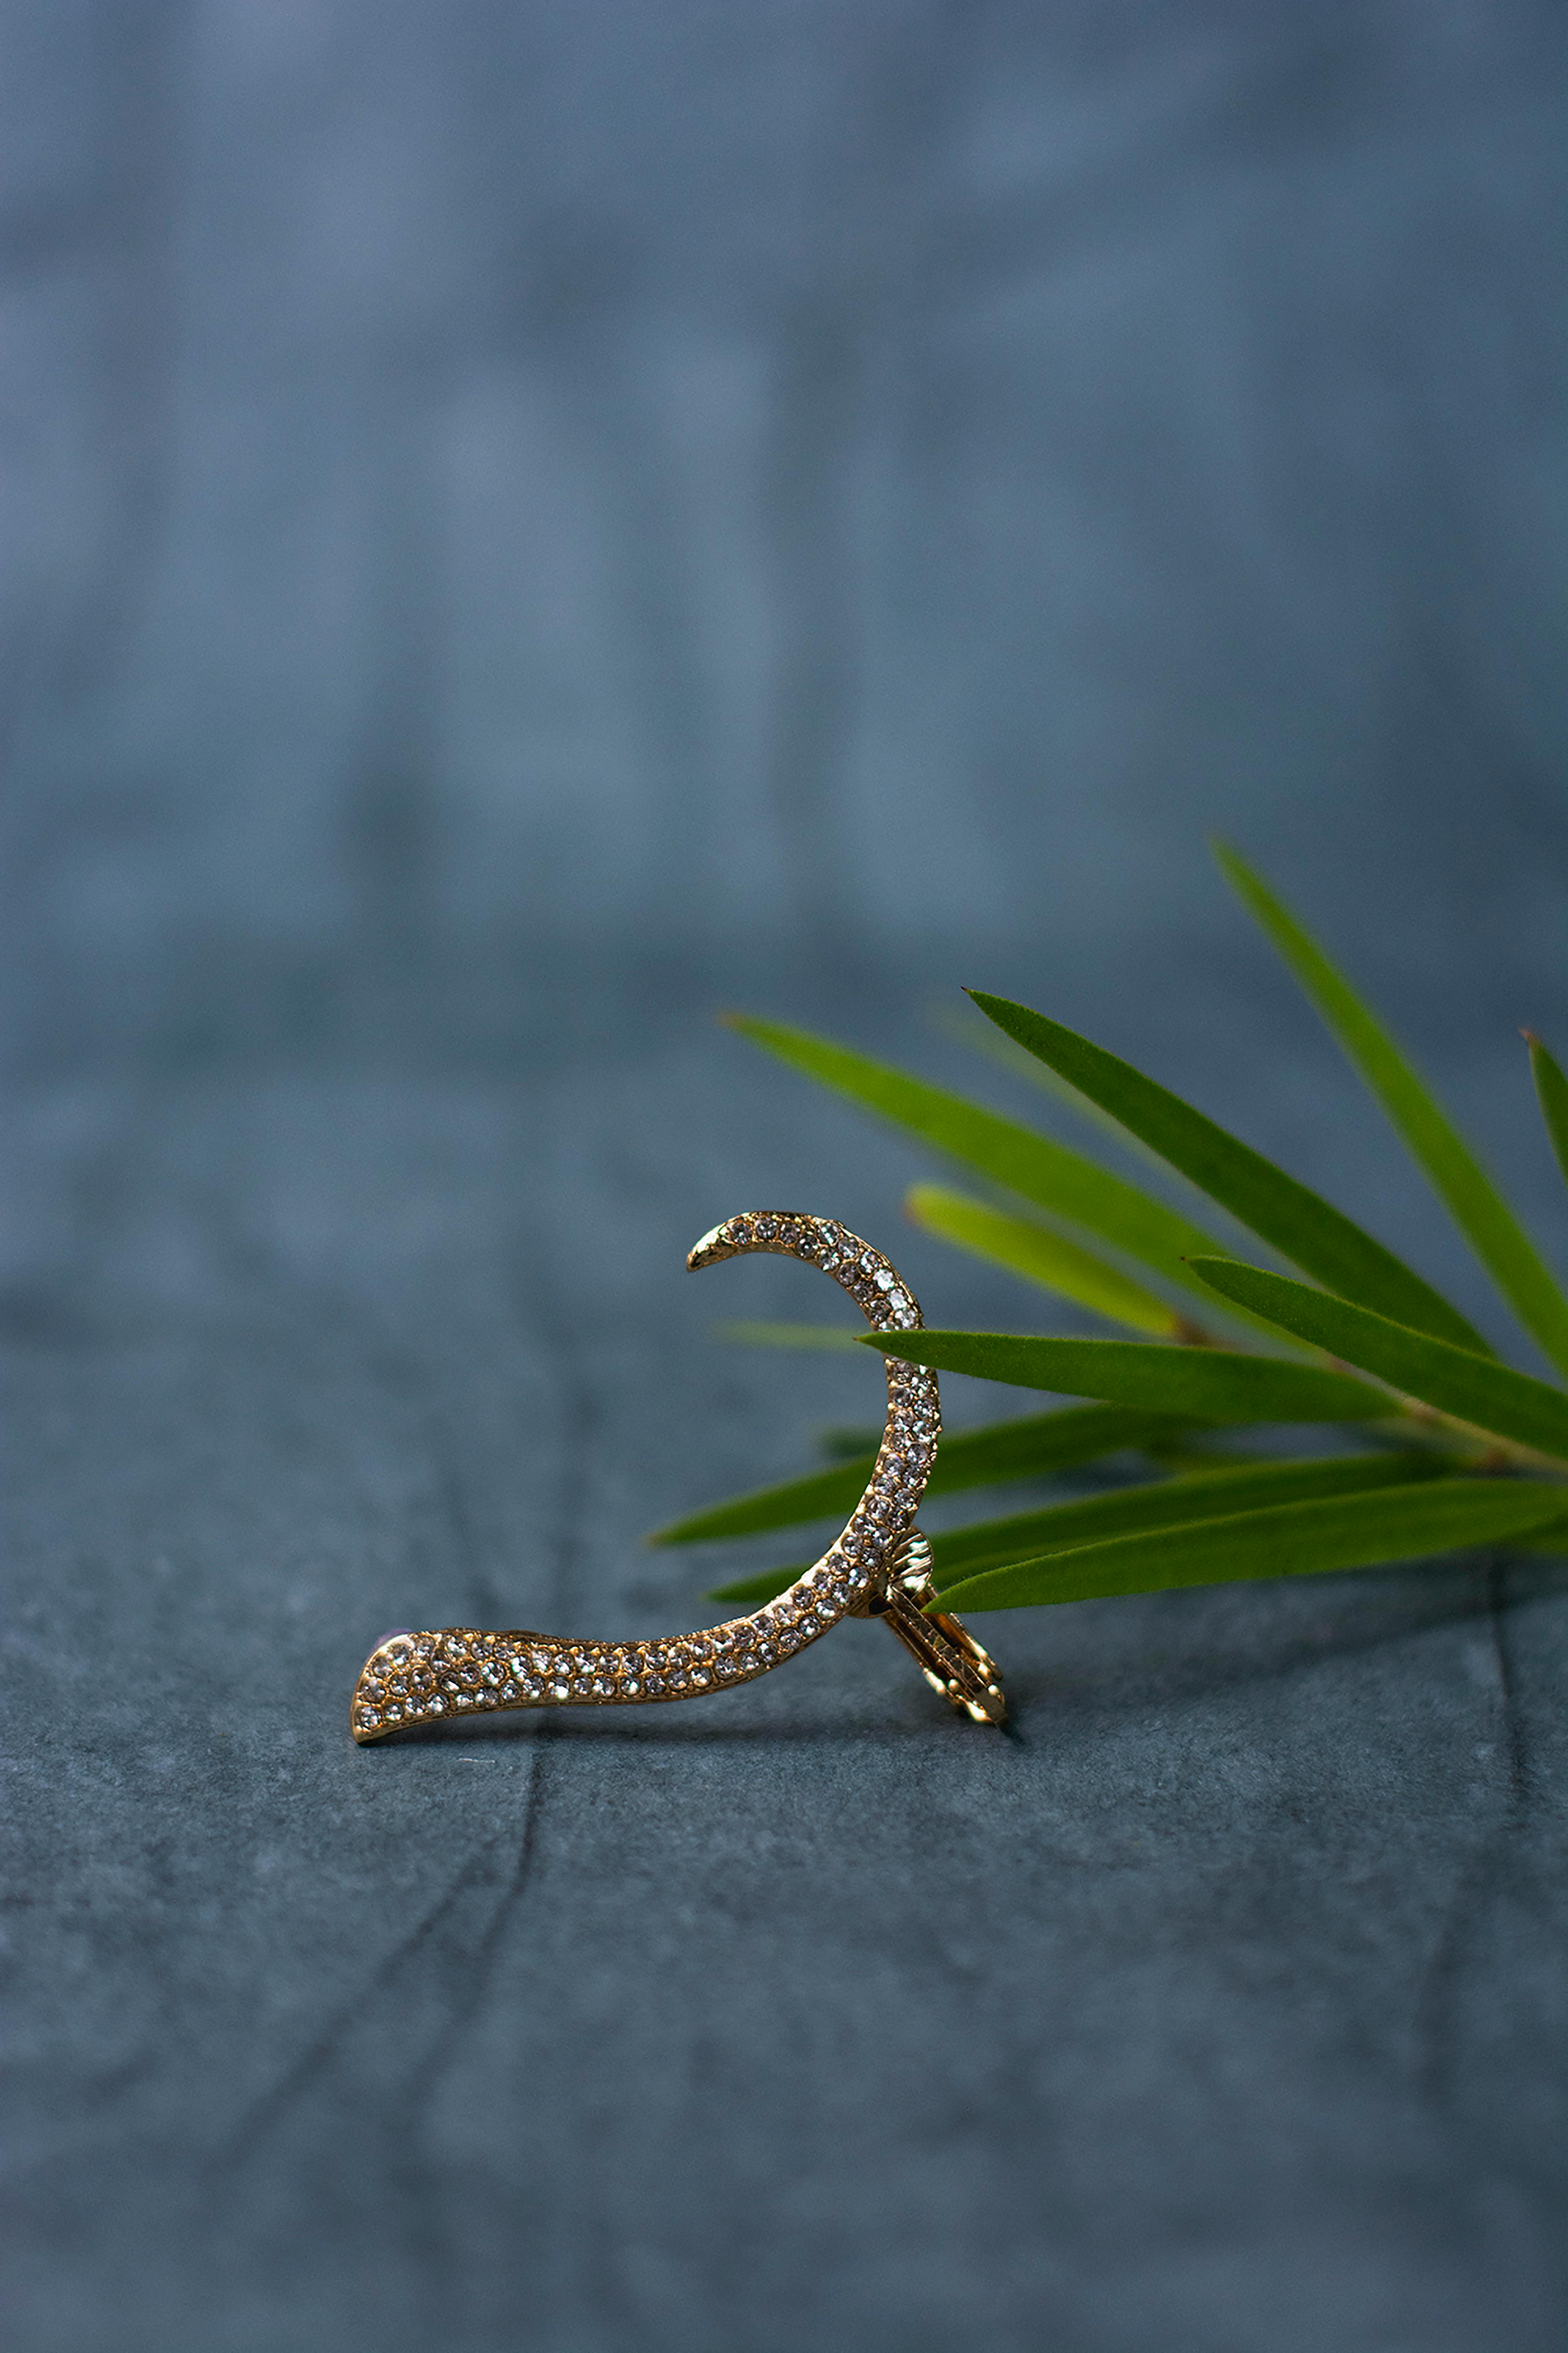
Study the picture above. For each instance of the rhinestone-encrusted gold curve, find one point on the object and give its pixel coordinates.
(419, 1678)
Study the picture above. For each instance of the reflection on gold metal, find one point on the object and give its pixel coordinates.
(879, 1566)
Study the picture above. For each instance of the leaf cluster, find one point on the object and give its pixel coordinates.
(1441, 1444)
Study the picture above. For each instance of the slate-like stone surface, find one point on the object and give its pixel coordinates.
(525, 525)
(1221, 2004)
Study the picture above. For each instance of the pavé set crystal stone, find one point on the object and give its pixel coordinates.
(415, 1678)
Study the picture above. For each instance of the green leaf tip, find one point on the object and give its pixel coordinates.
(1477, 1390)
(1063, 1183)
(993, 1455)
(1027, 1248)
(1450, 1166)
(765, 1586)
(1552, 1093)
(830, 1336)
(1299, 1224)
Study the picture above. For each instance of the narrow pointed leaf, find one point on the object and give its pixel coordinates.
(1289, 1540)
(847, 1443)
(983, 1038)
(1167, 1505)
(1027, 1449)
(1472, 1200)
(788, 1335)
(963, 1553)
(1215, 1385)
(762, 1587)
(1551, 1088)
(1191, 1459)
(1025, 1248)
(1475, 1389)
(1299, 1224)
(1062, 1181)
(1038, 1444)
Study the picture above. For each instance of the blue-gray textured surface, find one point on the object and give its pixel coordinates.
(527, 524)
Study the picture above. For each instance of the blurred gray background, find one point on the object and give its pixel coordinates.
(525, 525)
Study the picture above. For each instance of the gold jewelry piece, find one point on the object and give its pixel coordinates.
(879, 1566)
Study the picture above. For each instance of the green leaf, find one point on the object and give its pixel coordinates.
(1302, 1226)
(1289, 1540)
(1552, 1538)
(964, 1553)
(1043, 1257)
(1192, 1459)
(1551, 1088)
(1001, 1450)
(1473, 1201)
(1214, 1385)
(1063, 1183)
(758, 1589)
(788, 1335)
(845, 1443)
(1474, 1390)
(820, 1495)
(966, 1026)
(1061, 1526)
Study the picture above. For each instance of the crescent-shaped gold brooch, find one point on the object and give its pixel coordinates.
(879, 1567)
